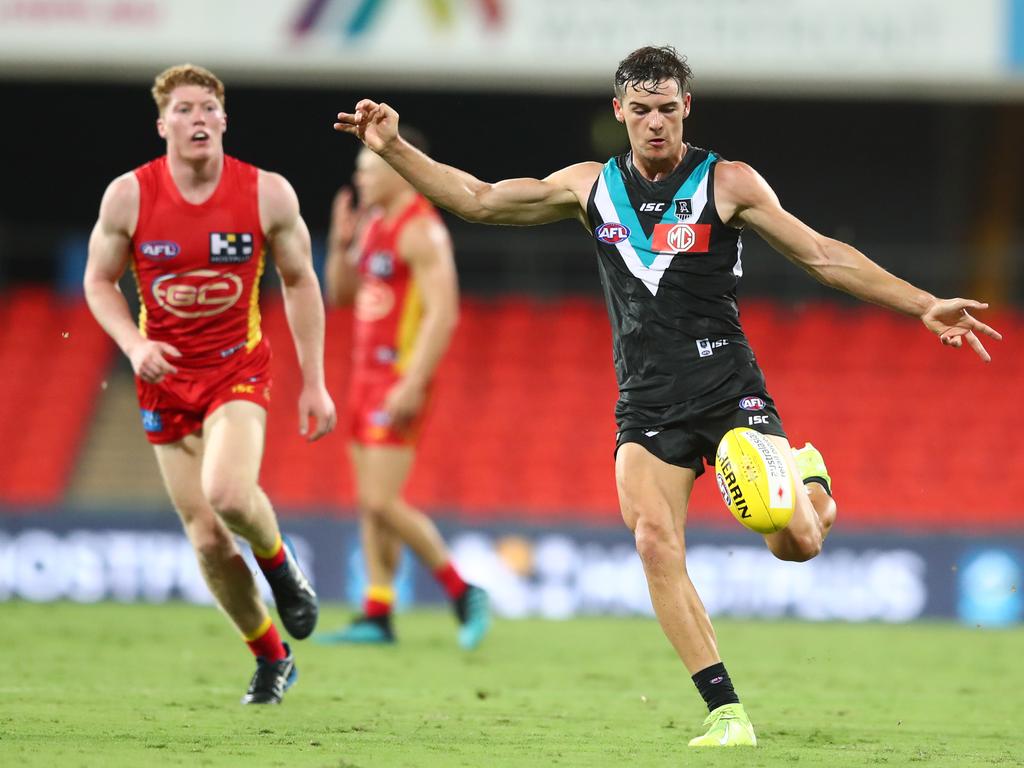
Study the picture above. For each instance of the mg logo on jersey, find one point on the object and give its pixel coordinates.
(681, 238)
(199, 293)
(612, 232)
(230, 247)
(159, 250)
(752, 404)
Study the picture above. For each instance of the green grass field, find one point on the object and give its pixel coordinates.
(130, 685)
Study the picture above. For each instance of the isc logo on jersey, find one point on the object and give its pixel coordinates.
(612, 232)
(198, 293)
(754, 481)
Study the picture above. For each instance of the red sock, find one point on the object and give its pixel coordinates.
(378, 602)
(449, 578)
(268, 561)
(265, 643)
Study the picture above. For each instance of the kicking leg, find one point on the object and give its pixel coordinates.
(815, 510)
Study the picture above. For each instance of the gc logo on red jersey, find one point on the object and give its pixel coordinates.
(198, 293)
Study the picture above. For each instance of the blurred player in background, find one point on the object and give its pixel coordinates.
(666, 217)
(392, 257)
(194, 226)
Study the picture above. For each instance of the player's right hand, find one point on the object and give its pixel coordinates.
(149, 361)
(376, 125)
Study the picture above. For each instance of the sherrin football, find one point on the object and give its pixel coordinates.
(754, 480)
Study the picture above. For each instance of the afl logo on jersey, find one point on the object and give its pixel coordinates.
(198, 293)
(159, 250)
(752, 404)
(381, 264)
(374, 301)
(611, 232)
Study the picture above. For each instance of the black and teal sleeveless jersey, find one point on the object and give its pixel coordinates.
(669, 267)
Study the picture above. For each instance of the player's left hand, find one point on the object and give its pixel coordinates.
(403, 401)
(953, 324)
(316, 404)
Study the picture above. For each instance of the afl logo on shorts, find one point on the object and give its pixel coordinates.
(612, 232)
(159, 250)
(752, 404)
(199, 293)
(374, 301)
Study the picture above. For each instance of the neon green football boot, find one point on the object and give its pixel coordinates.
(728, 726)
(812, 466)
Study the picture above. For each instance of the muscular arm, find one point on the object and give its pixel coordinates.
(562, 195)
(109, 253)
(744, 198)
(288, 238)
(425, 245)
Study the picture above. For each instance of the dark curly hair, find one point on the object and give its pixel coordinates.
(649, 65)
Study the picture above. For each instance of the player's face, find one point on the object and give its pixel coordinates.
(193, 123)
(654, 120)
(375, 181)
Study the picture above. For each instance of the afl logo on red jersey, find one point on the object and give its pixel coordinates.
(611, 232)
(374, 301)
(199, 293)
(159, 250)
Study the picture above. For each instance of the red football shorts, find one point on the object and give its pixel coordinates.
(369, 423)
(179, 404)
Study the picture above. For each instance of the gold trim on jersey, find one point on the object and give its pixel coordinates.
(255, 334)
(408, 325)
(142, 299)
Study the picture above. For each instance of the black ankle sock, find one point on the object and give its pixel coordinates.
(821, 480)
(715, 686)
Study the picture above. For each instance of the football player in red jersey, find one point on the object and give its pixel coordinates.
(194, 225)
(393, 258)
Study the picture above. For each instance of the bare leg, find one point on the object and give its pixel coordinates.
(226, 574)
(812, 519)
(382, 548)
(234, 436)
(381, 473)
(653, 496)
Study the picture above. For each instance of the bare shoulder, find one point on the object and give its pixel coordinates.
(279, 205)
(119, 209)
(738, 188)
(579, 177)
(422, 237)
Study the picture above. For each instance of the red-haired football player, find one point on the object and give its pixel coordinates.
(195, 226)
(393, 257)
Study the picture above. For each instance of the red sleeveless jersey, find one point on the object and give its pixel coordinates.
(198, 267)
(388, 306)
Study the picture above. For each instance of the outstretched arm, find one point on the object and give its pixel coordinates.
(289, 242)
(743, 197)
(562, 195)
(109, 246)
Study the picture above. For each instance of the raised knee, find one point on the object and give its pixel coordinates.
(800, 549)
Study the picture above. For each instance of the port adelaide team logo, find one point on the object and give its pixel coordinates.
(230, 247)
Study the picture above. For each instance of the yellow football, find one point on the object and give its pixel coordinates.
(754, 480)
